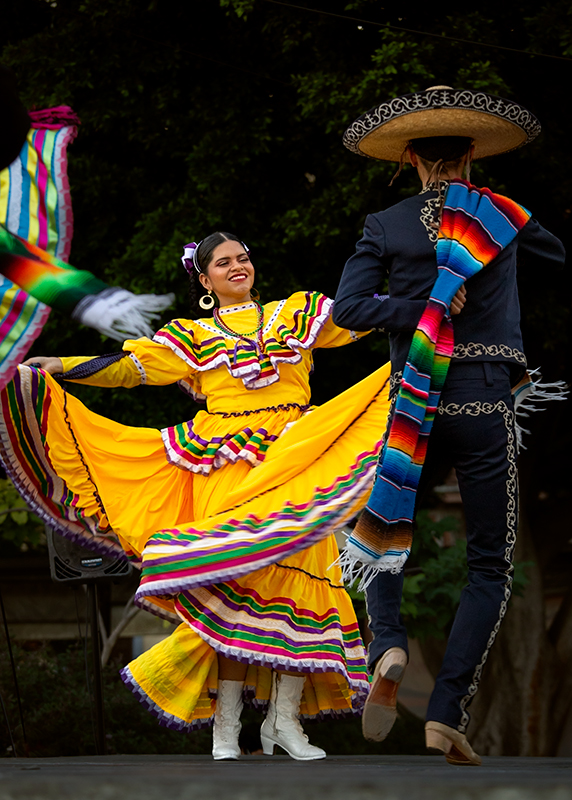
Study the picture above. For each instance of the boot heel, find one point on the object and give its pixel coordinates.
(282, 726)
(437, 742)
(441, 738)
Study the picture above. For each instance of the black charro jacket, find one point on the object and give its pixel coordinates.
(398, 247)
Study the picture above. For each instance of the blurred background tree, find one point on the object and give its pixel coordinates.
(228, 115)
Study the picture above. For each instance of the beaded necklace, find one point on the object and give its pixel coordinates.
(222, 326)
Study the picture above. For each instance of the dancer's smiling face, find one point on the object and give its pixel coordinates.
(229, 274)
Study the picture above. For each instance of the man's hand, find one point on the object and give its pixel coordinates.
(458, 301)
(50, 364)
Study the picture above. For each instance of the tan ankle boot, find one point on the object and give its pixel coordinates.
(453, 744)
(380, 710)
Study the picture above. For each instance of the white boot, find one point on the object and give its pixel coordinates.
(227, 721)
(282, 726)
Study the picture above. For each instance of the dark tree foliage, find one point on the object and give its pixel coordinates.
(232, 117)
(229, 114)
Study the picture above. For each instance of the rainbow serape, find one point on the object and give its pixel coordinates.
(476, 226)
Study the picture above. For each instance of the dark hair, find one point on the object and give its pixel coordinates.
(449, 148)
(204, 256)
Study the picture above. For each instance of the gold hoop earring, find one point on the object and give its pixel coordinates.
(254, 294)
(207, 301)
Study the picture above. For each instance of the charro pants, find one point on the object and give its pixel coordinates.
(474, 432)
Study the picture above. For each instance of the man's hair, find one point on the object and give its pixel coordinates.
(448, 148)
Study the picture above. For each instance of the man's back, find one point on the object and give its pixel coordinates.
(398, 245)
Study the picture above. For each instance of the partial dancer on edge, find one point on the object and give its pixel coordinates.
(36, 228)
(456, 351)
(231, 513)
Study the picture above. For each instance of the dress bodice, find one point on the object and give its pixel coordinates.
(252, 392)
(234, 373)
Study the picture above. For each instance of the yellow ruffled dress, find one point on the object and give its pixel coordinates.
(230, 513)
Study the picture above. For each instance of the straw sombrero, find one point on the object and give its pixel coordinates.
(494, 124)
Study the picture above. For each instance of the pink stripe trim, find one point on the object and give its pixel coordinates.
(42, 177)
(9, 365)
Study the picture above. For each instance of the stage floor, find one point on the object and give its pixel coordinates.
(263, 778)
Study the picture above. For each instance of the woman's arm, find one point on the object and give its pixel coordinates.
(114, 370)
(142, 361)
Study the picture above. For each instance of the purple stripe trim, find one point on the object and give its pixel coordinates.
(245, 608)
(358, 684)
(177, 724)
(64, 526)
(163, 717)
(246, 532)
(147, 605)
(177, 454)
(251, 629)
(237, 570)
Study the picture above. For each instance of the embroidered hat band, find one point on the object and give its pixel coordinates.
(494, 124)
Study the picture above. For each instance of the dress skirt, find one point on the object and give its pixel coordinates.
(244, 558)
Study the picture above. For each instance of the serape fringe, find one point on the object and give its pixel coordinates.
(531, 391)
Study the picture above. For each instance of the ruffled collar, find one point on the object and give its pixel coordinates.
(293, 325)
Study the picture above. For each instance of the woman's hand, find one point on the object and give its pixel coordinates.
(459, 301)
(51, 364)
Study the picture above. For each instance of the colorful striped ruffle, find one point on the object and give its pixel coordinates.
(204, 347)
(24, 403)
(283, 617)
(186, 449)
(21, 321)
(276, 632)
(35, 201)
(234, 545)
(200, 445)
(35, 205)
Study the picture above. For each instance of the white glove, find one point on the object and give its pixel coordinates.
(120, 314)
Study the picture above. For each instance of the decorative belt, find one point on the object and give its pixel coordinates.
(282, 407)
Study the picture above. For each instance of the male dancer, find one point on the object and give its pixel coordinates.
(439, 131)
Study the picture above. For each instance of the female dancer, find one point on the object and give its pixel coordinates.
(250, 491)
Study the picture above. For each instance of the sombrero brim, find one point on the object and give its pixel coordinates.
(495, 125)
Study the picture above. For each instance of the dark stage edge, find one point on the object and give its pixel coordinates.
(263, 778)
